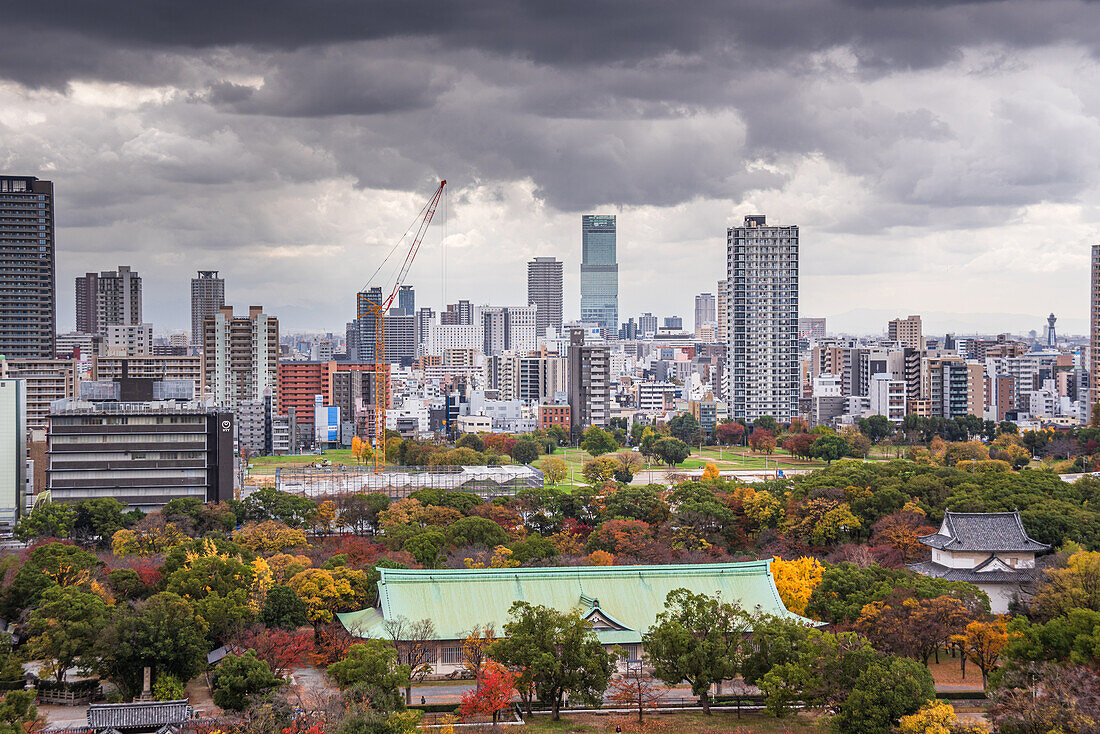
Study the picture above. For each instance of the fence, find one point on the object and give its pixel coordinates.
(401, 481)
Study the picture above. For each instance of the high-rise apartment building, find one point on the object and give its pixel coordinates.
(508, 328)
(13, 451)
(365, 322)
(599, 273)
(589, 382)
(207, 299)
(241, 366)
(1094, 331)
(647, 325)
(705, 311)
(907, 332)
(723, 331)
(109, 298)
(544, 289)
(28, 306)
(762, 270)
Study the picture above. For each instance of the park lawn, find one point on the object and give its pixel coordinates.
(678, 722)
(267, 464)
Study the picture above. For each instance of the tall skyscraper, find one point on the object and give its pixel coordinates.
(207, 299)
(762, 269)
(28, 306)
(544, 289)
(406, 300)
(705, 311)
(599, 273)
(1094, 332)
(110, 298)
(365, 319)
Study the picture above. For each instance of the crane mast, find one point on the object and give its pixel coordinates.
(379, 310)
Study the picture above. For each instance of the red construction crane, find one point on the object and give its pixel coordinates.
(365, 305)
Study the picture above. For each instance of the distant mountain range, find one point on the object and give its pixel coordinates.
(872, 322)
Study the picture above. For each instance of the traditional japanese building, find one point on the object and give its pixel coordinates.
(988, 549)
(621, 602)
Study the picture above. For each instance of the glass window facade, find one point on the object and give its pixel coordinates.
(599, 272)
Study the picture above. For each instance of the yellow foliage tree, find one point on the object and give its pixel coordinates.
(406, 511)
(796, 580)
(554, 470)
(361, 450)
(982, 644)
(146, 542)
(323, 593)
(935, 717)
(262, 579)
(475, 647)
(270, 537)
(285, 565)
(710, 471)
(325, 519)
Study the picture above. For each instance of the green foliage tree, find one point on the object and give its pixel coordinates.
(168, 687)
(98, 518)
(697, 638)
(767, 423)
(884, 692)
(598, 442)
(533, 548)
(685, 427)
(65, 629)
(360, 511)
(53, 564)
(470, 441)
(240, 677)
(18, 714)
(283, 609)
(477, 531)
(268, 503)
(46, 520)
(371, 668)
(646, 503)
(525, 451)
(164, 632)
(558, 652)
(671, 451)
(425, 547)
(829, 448)
(876, 428)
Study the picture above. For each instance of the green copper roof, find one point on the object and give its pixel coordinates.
(628, 596)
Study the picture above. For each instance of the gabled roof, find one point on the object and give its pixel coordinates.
(999, 532)
(148, 715)
(990, 571)
(631, 596)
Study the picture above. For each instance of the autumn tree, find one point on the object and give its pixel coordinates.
(636, 689)
(900, 532)
(905, 625)
(796, 580)
(982, 644)
(729, 433)
(496, 685)
(696, 638)
(600, 469)
(554, 470)
(280, 649)
(1077, 586)
(762, 441)
(800, 444)
(414, 643)
(270, 537)
(475, 647)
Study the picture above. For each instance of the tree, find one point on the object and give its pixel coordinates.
(98, 518)
(475, 647)
(238, 678)
(371, 668)
(1042, 698)
(525, 451)
(470, 441)
(876, 427)
(413, 642)
(326, 592)
(425, 546)
(646, 503)
(598, 442)
(554, 470)
(19, 715)
(600, 469)
(280, 649)
(65, 629)
(796, 580)
(904, 625)
(46, 520)
(829, 448)
(271, 536)
(671, 451)
(697, 638)
(766, 423)
(901, 532)
(730, 433)
(982, 644)
(495, 687)
(283, 609)
(268, 503)
(477, 531)
(361, 450)
(636, 689)
(164, 633)
(800, 444)
(685, 427)
(558, 653)
(884, 692)
(360, 511)
(53, 564)
(1077, 586)
(935, 717)
(208, 575)
(762, 441)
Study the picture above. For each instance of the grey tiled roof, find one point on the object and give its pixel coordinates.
(983, 531)
(138, 715)
(974, 575)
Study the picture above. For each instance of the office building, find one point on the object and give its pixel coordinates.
(508, 328)
(906, 332)
(762, 270)
(673, 323)
(400, 335)
(589, 382)
(13, 451)
(1094, 330)
(28, 307)
(240, 366)
(406, 301)
(544, 289)
(599, 273)
(207, 299)
(647, 326)
(109, 298)
(425, 319)
(457, 314)
(141, 442)
(706, 313)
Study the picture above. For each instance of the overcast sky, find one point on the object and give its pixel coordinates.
(938, 156)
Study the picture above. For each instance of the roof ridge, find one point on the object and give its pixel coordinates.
(438, 574)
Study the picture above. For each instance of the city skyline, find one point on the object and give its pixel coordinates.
(903, 140)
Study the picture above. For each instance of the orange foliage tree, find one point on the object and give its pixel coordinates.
(982, 643)
(904, 625)
(636, 689)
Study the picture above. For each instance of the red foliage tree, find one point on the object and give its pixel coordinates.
(280, 649)
(762, 440)
(331, 644)
(730, 433)
(799, 444)
(636, 690)
(360, 552)
(502, 442)
(622, 538)
(496, 686)
(895, 537)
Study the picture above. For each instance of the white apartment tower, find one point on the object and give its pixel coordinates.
(762, 303)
